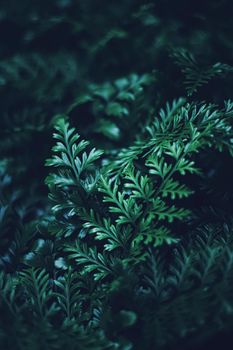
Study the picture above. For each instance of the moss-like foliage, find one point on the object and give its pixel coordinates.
(116, 166)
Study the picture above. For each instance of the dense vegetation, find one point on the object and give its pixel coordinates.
(116, 170)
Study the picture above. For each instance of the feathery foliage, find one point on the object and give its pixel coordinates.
(127, 244)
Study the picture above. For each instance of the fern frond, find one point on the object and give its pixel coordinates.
(196, 76)
(92, 260)
(68, 293)
(140, 186)
(36, 283)
(68, 150)
(104, 229)
(125, 207)
(8, 292)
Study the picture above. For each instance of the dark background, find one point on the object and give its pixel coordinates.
(52, 53)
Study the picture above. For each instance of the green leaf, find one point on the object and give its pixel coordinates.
(92, 261)
(174, 189)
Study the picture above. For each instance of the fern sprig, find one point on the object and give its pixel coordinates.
(195, 75)
(36, 282)
(104, 229)
(69, 150)
(126, 207)
(68, 293)
(93, 261)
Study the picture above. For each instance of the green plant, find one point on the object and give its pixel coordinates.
(133, 247)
